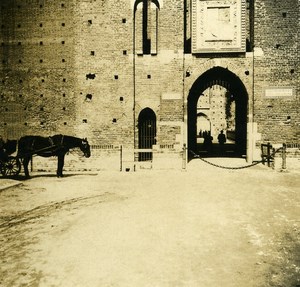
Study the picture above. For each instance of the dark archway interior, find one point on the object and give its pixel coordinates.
(147, 132)
(222, 77)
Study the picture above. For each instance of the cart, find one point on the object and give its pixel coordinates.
(10, 166)
(28, 146)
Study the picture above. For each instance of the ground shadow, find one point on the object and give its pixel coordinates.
(21, 177)
(215, 150)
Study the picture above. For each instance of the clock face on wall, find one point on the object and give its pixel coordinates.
(218, 26)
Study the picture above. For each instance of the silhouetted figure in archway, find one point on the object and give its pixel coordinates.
(208, 146)
(222, 141)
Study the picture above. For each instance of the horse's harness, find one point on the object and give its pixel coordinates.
(60, 145)
(49, 148)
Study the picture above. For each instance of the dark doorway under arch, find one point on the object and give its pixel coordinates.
(235, 91)
(147, 133)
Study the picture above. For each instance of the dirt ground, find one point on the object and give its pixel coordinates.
(201, 227)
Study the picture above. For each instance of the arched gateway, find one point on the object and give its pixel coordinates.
(221, 96)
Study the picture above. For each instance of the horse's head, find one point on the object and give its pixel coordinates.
(85, 148)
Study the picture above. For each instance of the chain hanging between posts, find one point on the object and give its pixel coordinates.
(225, 167)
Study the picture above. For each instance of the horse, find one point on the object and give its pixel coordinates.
(57, 145)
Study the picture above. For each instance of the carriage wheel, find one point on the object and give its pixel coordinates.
(11, 167)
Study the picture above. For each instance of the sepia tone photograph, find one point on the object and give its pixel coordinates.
(149, 143)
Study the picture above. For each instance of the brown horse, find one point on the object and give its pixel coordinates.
(57, 145)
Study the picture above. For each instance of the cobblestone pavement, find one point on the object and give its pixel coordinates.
(203, 227)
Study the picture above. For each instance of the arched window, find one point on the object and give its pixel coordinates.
(146, 26)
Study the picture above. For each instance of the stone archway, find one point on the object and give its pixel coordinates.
(234, 91)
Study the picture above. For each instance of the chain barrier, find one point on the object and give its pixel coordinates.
(271, 156)
(275, 151)
(225, 167)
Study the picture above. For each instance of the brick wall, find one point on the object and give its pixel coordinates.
(37, 67)
(104, 49)
(276, 33)
(69, 67)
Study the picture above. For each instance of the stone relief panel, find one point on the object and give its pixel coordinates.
(218, 26)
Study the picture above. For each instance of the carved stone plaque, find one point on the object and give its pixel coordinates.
(279, 92)
(218, 26)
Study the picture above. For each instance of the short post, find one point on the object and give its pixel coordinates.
(121, 155)
(184, 156)
(269, 154)
(262, 147)
(283, 156)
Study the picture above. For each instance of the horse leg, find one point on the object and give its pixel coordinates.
(25, 165)
(60, 165)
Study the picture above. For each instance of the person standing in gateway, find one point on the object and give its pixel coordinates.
(221, 140)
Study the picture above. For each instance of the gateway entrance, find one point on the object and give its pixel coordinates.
(217, 104)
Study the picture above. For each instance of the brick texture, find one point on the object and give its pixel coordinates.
(70, 67)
